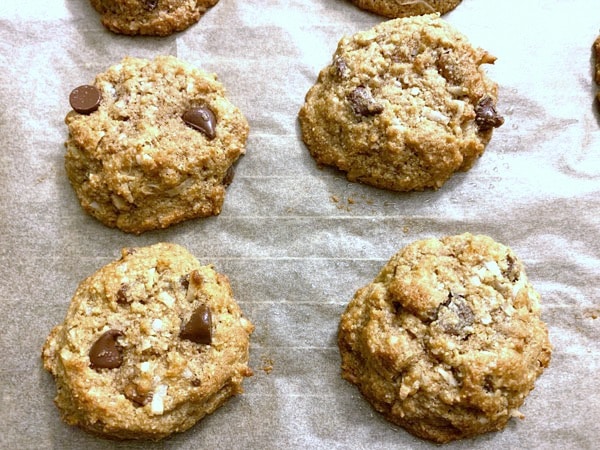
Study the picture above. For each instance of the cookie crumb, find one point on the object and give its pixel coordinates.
(267, 365)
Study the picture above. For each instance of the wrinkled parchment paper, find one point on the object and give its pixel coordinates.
(295, 240)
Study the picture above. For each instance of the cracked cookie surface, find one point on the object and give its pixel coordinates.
(151, 343)
(155, 147)
(447, 341)
(405, 8)
(150, 17)
(402, 106)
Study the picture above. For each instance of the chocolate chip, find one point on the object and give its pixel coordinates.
(132, 393)
(106, 352)
(228, 178)
(201, 119)
(455, 315)
(85, 99)
(341, 68)
(362, 102)
(122, 295)
(150, 4)
(199, 328)
(486, 116)
(185, 281)
(513, 269)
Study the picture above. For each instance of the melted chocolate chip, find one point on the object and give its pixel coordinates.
(362, 102)
(85, 99)
(106, 352)
(122, 295)
(201, 119)
(486, 116)
(455, 315)
(132, 393)
(199, 328)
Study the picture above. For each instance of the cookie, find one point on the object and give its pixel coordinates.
(596, 48)
(447, 340)
(152, 143)
(405, 8)
(150, 17)
(151, 343)
(402, 106)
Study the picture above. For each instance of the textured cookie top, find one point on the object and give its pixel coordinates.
(447, 341)
(138, 162)
(405, 8)
(402, 106)
(150, 344)
(150, 17)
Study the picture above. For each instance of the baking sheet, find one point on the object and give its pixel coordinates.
(297, 241)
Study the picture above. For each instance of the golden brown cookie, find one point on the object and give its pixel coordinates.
(152, 143)
(447, 341)
(150, 17)
(402, 106)
(405, 8)
(151, 343)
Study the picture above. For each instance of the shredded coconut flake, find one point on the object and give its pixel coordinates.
(492, 266)
(436, 116)
(166, 298)
(158, 404)
(157, 325)
(447, 376)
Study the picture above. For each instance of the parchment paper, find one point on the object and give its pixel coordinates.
(297, 241)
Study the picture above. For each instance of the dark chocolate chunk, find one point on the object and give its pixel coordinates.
(85, 99)
(122, 295)
(201, 119)
(228, 178)
(106, 351)
(362, 102)
(185, 281)
(513, 269)
(199, 328)
(455, 315)
(341, 68)
(486, 116)
(133, 393)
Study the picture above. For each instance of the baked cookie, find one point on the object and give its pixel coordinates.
(402, 106)
(152, 143)
(151, 343)
(597, 63)
(150, 17)
(405, 8)
(447, 340)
